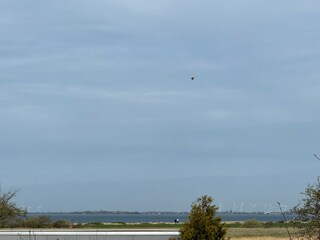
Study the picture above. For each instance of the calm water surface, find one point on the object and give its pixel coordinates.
(140, 218)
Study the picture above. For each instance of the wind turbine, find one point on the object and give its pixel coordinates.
(241, 207)
(265, 208)
(270, 208)
(220, 207)
(284, 207)
(234, 207)
(253, 207)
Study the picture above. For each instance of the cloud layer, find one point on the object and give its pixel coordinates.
(99, 92)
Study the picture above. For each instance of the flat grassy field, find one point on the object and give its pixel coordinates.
(261, 238)
(235, 231)
(259, 233)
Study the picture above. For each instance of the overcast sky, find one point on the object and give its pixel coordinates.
(98, 111)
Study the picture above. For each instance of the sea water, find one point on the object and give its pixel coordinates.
(161, 217)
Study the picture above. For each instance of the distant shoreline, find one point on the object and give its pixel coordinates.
(148, 213)
(109, 212)
(125, 217)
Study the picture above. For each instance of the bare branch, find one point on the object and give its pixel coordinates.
(285, 220)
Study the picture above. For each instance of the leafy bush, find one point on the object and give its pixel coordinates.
(15, 223)
(61, 224)
(252, 224)
(307, 213)
(202, 223)
(234, 224)
(38, 222)
(268, 224)
(9, 211)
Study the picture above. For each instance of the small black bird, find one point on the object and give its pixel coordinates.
(316, 156)
(192, 78)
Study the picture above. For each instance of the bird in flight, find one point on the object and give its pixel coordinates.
(316, 156)
(192, 78)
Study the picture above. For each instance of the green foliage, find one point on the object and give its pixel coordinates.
(9, 211)
(257, 224)
(259, 233)
(15, 223)
(61, 224)
(202, 224)
(38, 222)
(252, 224)
(308, 213)
(268, 224)
(233, 224)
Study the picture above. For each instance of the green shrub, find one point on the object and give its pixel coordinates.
(202, 223)
(252, 224)
(77, 225)
(268, 224)
(234, 224)
(15, 223)
(61, 224)
(9, 211)
(38, 222)
(307, 213)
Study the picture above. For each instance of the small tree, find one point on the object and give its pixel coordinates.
(38, 222)
(307, 213)
(202, 224)
(61, 224)
(8, 209)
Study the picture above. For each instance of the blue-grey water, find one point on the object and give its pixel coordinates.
(141, 218)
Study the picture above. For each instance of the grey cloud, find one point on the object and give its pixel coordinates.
(104, 86)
